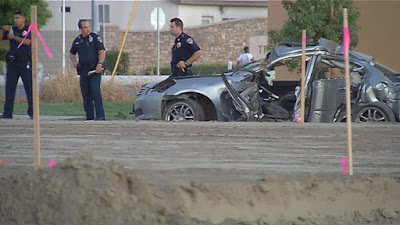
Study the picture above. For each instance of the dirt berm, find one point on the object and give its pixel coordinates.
(83, 190)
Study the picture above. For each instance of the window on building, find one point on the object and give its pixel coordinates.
(67, 9)
(206, 20)
(227, 18)
(106, 13)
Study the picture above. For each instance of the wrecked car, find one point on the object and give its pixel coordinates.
(248, 93)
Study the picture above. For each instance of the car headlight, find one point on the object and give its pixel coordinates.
(149, 90)
(144, 91)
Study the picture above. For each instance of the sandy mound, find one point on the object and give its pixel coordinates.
(77, 191)
(303, 200)
(87, 191)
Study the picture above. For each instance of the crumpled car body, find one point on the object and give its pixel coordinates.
(206, 97)
(245, 94)
(374, 88)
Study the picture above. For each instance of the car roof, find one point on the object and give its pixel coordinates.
(323, 45)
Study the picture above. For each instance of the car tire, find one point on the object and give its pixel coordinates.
(183, 110)
(373, 112)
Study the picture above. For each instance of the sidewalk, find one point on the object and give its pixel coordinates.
(46, 118)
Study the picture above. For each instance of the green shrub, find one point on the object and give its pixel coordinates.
(209, 69)
(198, 69)
(153, 70)
(3, 52)
(111, 58)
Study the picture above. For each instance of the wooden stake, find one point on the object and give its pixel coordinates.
(303, 75)
(35, 89)
(348, 103)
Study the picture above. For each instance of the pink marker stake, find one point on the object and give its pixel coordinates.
(34, 26)
(51, 163)
(344, 165)
(297, 118)
(346, 39)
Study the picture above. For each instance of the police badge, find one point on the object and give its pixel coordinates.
(178, 45)
(90, 38)
(24, 33)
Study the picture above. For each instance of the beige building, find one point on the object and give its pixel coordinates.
(379, 35)
(117, 13)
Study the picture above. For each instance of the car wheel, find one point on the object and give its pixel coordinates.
(373, 112)
(183, 110)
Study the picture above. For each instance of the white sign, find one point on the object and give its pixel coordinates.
(161, 18)
(258, 46)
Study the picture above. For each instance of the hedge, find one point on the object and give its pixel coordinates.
(3, 52)
(198, 69)
(111, 58)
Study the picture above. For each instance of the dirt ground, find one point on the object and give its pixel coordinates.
(127, 172)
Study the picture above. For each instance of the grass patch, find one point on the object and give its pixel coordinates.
(112, 110)
(61, 96)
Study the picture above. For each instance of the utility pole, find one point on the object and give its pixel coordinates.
(95, 16)
(63, 37)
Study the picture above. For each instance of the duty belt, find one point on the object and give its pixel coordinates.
(87, 66)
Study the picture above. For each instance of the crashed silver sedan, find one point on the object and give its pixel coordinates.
(248, 93)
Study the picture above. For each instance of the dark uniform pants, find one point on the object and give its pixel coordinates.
(91, 93)
(14, 71)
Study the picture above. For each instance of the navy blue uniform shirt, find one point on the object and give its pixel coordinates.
(24, 53)
(182, 50)
(87, 48)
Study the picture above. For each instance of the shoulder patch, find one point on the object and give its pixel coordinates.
(99, 39)
(189, 41)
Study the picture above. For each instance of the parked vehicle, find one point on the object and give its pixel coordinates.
(248, 94)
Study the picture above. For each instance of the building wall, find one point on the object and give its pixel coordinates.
(79, 10)
(192, 14)
(220, 42)
(120, 12)
(379, 34)
(380, 31)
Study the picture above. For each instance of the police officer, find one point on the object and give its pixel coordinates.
(90, 48)
(19, 63)
(184, 52)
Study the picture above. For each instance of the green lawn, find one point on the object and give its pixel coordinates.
(113, 110)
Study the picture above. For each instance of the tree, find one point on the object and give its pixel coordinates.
(315, 17)
(8, 7)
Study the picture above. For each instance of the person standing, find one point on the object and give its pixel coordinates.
(244, 58)
(184, 51)
(91, 52)
(19, 62)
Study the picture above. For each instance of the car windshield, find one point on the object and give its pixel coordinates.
(252, 64)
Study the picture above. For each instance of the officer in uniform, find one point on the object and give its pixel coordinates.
(184, 52)
(19, 63)
(90, 48)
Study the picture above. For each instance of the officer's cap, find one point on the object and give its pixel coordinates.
(20, 12)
